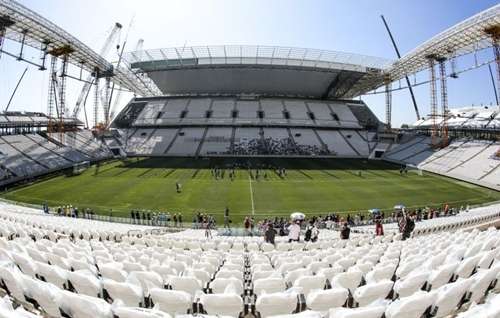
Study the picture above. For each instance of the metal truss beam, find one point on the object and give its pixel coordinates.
(28, 27)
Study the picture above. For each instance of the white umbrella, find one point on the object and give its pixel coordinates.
(297, 216)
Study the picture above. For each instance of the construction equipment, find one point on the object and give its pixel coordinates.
(113, 35)
(113, 108)
(15, 89)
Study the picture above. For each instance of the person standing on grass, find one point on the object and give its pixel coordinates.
(175, 219)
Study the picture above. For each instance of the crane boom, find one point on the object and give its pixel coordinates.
(138, 47)
(113, 35)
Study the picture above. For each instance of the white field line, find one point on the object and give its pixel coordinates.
(251, 194)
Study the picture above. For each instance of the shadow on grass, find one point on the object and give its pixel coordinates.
(254, 163)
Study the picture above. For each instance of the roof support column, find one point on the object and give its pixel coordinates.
(62, 96)
(444, 100)
(494, 33)
(496, 50)
(433, 101)
(51, 101)
(107, 101)
(2, 37)
(96, 99)
(388, 102)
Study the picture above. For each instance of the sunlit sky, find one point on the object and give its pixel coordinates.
(349, 25)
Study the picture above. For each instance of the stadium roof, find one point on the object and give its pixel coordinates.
(28, 27)
(472, 34)
(259, 69)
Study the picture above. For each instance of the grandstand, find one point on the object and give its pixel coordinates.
(121, 216)
(191, 127)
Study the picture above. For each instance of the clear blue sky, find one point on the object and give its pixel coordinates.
(350, 26)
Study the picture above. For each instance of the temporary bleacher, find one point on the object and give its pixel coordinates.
(483, 162)
(474, 161)
(493, 177)
(85, 142)
(462, 152)
(17, 162)
(495, 122)
(217, 141)
(66, 152)
(481, 119)
(39, 154)
(186, 142)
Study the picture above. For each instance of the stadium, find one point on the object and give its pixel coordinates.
(247, 180)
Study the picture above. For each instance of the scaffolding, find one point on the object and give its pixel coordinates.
(388, 103)
(96, 101)
(51, 102)
(433, 98)
(106, 105)
(444, 101)
(22, 24)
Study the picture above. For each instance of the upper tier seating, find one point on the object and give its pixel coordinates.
(222, 111)
(150, 113)
(171, 112)
(268, 111)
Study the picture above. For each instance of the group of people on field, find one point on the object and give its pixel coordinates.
(156, 218)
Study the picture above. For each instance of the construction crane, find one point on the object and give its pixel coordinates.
(112, 37)
(138, 47)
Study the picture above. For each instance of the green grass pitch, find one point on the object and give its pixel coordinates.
(313, 186)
